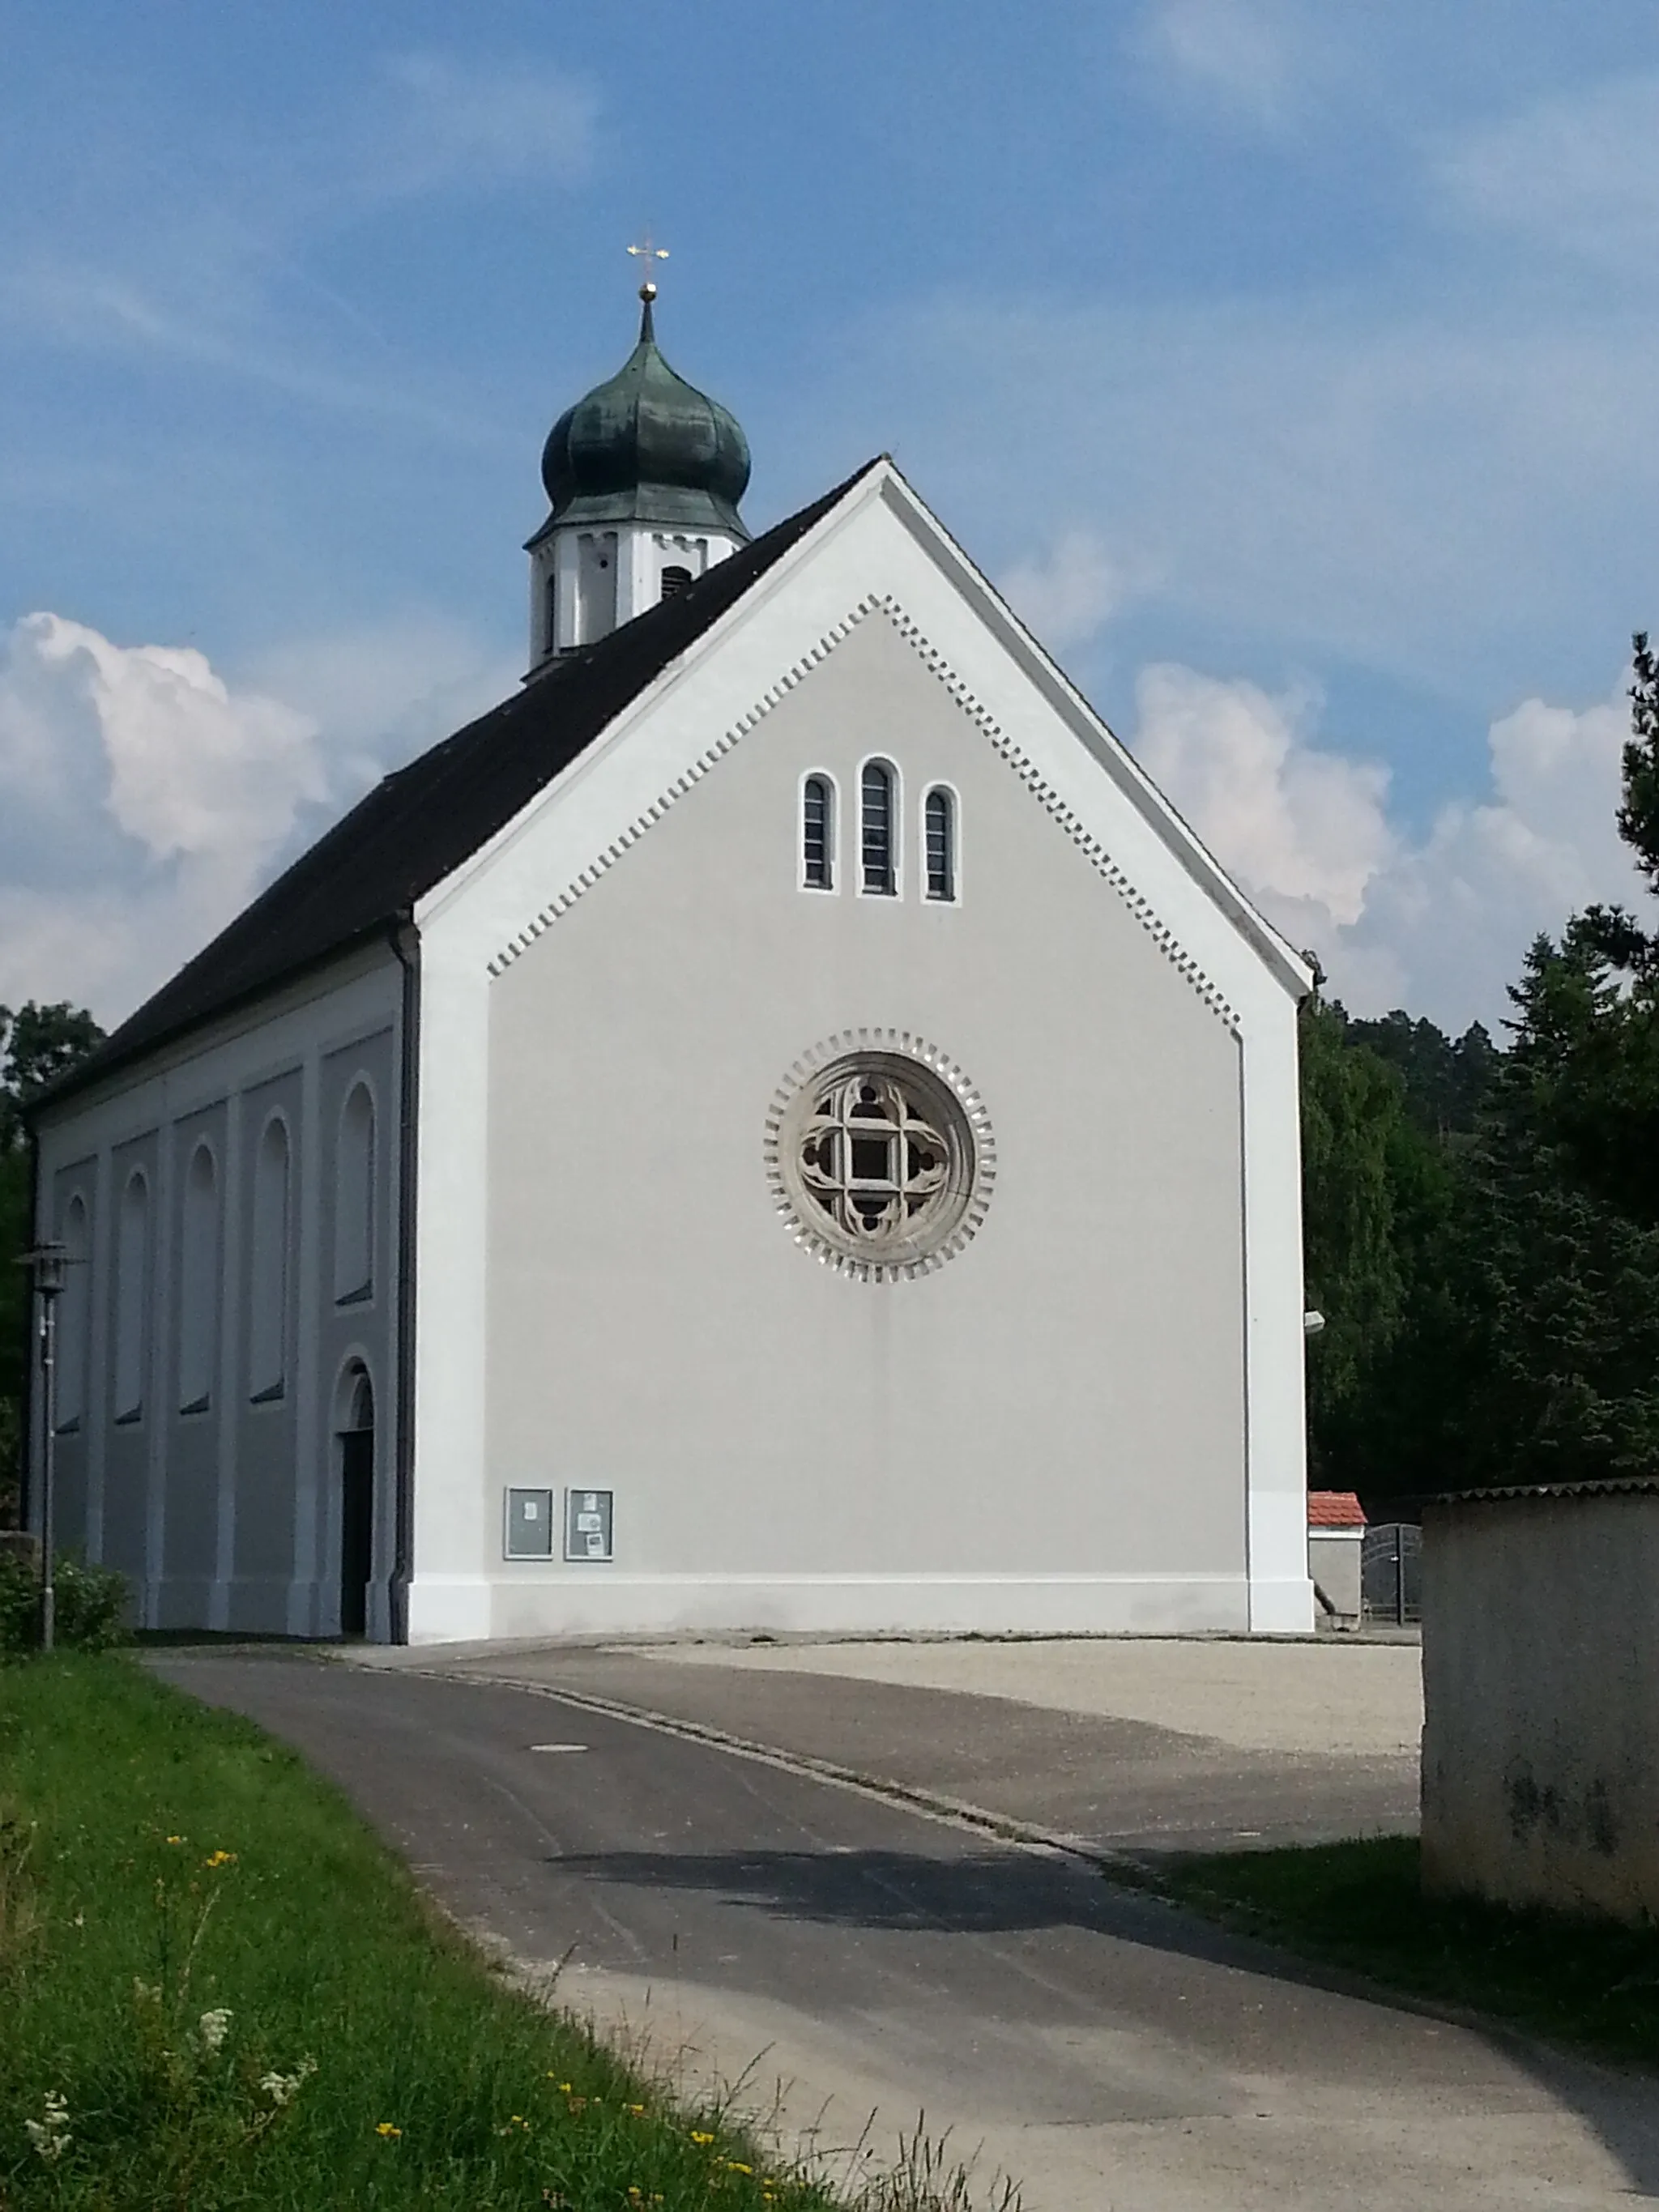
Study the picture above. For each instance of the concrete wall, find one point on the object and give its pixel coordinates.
(1333, 1561)
(226, 1514)
(1540, 1686)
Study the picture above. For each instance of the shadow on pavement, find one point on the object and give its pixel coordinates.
(999, 1891)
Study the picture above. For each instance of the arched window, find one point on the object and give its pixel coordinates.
(267, 1336)
(817, 834)
(354, 1199)
(74, 1317)
(550, 612)
(940, 836)
(674, 582)
(875, 828)
(199, 1284)
(132, 1298)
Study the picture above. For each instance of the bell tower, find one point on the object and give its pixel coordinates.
(643, 479)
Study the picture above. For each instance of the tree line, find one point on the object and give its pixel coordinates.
(1482, 1221)
(1482, 1224)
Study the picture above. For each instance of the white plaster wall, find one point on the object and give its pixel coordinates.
(1540, 1684)
(1047, 1432)
(596, 820)
(223, 1518)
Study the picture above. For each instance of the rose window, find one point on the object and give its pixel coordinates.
(879, 1161)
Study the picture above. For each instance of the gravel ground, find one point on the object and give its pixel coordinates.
(1344, 1695)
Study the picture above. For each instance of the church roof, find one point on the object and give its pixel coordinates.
(419, 824)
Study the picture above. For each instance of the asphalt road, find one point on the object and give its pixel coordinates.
(1112, 1784)
(847, 1956)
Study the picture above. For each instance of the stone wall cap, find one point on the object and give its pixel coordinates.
(1616, 1486)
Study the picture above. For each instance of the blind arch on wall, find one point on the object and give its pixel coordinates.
(132, 1296)
(878, 828)
(74, 1316)
(268, 1267)
(198, 1282)
(354, 1198)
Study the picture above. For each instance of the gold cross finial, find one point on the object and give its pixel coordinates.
(649, 253)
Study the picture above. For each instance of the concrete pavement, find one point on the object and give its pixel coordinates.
(848, 1957)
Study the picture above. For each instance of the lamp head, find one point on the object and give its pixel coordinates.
(48, 1265)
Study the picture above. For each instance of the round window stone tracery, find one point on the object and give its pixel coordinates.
(882, 1160)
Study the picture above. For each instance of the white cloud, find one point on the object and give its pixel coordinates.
(1246, 55)
(1066, 593)
(1437, 925)
(144, 800)
(1580, 172)
(1305, 825)
(445, 121)
(1426, 496)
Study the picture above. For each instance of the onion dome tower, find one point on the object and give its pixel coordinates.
(643, 479)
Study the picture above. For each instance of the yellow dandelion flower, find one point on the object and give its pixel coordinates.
(384, 2130)
(736, 2166)
(702, 2136)
(636, 2110)
(175, 1839)
(220, 1859)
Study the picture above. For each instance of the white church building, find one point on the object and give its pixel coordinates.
(778, 1125)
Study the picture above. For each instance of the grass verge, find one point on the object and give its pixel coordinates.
(1359, 1905)
(220, 1992)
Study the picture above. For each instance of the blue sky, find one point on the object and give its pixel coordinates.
(1291, 367)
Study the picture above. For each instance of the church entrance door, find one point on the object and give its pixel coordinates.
(357, 1509)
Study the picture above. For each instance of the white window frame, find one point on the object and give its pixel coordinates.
(832, 840)
(895, 827)
(924, 877)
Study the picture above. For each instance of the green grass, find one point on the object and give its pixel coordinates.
(1589, 1982)
(161, 1861)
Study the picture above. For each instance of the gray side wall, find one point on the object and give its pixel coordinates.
(227, 1514)
(1064, 1398)
(1540, 1687)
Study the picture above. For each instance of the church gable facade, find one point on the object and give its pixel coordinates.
(825, 1159)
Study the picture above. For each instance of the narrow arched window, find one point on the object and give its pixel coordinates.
(875, 828)
(267, 1341)
(817, 834)
(74, 1317)
(674, 582)
(550, 611)
(199, 1284)
(354, 1199)
(131, 1298)
(940, 837)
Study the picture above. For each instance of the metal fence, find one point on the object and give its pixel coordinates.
(1391, 1573)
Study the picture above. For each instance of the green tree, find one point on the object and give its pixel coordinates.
(1374, 1194)
(1557, 1251)
(38, 1044)
(1446, 1078)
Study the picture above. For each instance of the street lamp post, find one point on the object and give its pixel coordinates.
(48, 1265)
